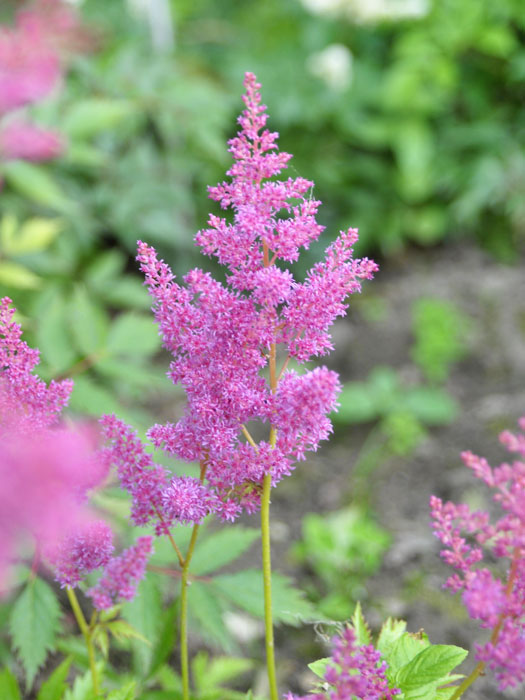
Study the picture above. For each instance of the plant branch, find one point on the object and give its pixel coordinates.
(87, 632)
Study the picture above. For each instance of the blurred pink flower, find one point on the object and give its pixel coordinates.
(46, 469)
(22, 141)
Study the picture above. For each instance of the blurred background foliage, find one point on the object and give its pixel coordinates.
(406, 114)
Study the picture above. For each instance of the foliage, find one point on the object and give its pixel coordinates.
(343, 549)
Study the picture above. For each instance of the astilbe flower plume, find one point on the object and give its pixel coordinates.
(354, 672)
(31, 67)
(468, 537)
(223, 337)
(122, 575)
(46, 468)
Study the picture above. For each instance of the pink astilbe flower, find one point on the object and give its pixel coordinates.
(21, 141)
(31, 67)
(187, 501)
(222, 336)
(122, 575)
(25, 400)
(46, 469)
(89, 548)
(499, 603)
(353, 673)
(142, 479)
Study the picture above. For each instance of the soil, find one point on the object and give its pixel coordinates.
(489, 385)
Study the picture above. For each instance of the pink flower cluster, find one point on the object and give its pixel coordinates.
(468, 537)
(122, 575)
(46, 472)
(45, 469)
(224, 338)
(30, 69)
(354, 673)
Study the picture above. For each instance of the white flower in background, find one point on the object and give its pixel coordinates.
(158, 15)
(333, 65)
(369, 10)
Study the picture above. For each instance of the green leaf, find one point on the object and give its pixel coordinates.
(34, 235)
(431, 405)
(406, 648)
(356, 404)
(15, 275)
(390, 632)
(132, 334)
(101, 639)
(88, 117)
(127, 692)
(53, 334)
(121, 629)
(9, 688)
(221, 548)
(166, 638)
(245, 589)
(88, 322)
(360, 625)
(93, 399)
(55, 686)
(33, 181)
(431, 665)
(207, 610)
(222, 669)
(83, 686)
(145, 614)
(33, 624)
(319, 666)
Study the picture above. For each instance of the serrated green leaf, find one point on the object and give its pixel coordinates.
(15, 275)
(33, 624)
(34, 235)
(245, 589)
(88, 117)
(390, 632)
(404, 649)
(121, 629)
(88, 322)
(145, 614)
(207, 610)
(9, 688)
(360, 625)
(431, 665)
(319, 667)
(83, 686)
(127, 692)
(55, 686)
(221, 548)
(101, 639)
(34, 182)
(132, 335)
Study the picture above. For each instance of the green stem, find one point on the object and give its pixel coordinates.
(267, 581)
(184, 663)
(87, 632)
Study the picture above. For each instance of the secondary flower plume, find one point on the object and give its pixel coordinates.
(46, 468)
(228, 339)
(468, 537)
(353, 671)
